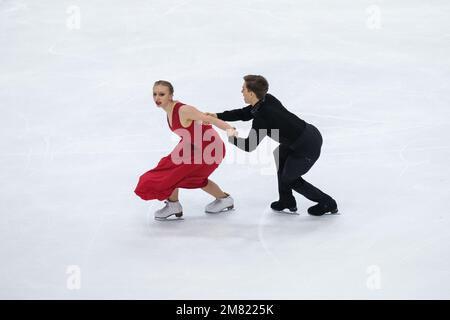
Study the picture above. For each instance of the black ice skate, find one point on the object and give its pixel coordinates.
(323, 207)
(281, 205)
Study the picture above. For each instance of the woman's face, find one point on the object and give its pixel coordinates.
(162, 96)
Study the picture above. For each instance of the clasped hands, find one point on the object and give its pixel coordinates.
(232, 132)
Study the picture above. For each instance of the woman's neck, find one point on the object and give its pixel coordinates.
(169, 107)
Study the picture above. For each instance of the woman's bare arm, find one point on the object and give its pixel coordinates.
(191, 113)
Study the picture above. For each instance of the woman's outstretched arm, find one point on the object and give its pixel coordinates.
(191, 113)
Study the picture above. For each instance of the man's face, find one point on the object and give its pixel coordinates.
(246, 93)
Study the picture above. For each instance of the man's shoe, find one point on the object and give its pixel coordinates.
(323, 207)
(281, 205)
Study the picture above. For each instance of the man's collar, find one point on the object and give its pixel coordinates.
(257, 106)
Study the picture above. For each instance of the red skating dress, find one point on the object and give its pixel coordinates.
(197, 155)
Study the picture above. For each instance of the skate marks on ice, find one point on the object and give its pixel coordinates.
(415, 152)
(261, 238)
(197, 224)
(14, 7)
(273, 225)
(406, 163)
(174, 8)
(265, 228)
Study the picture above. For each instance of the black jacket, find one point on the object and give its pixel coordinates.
(270, 118)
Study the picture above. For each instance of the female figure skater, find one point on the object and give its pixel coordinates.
(189, 165)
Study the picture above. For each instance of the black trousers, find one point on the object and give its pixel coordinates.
(294, 161)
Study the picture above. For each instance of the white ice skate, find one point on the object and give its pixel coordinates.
(171, 208)
(220, 205)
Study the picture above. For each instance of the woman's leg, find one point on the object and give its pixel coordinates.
(214, 190)
(174, 196)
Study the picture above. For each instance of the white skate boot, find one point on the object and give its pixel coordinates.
(170, 209)
(220, 205)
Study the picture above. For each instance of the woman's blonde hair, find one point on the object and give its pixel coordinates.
(164, 83)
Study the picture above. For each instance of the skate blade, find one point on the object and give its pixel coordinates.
(291, 212)
(223, 210)
(329, 213)
(172, 217)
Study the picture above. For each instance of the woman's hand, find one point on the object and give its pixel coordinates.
(232, 132)
(192, 113)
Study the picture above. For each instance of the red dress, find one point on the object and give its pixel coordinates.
(197, 155)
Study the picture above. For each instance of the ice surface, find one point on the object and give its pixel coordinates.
(78, 127)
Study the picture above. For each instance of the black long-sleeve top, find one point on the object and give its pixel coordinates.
(270, 118)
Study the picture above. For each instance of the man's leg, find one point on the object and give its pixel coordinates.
(309, 191)
(299, 162)
(286, 199)
(294, 167)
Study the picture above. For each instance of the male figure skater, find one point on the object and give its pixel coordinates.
(299, 148)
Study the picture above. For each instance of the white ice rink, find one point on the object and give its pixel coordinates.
(78, 127)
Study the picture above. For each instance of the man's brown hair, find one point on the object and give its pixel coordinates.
(256, 84)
